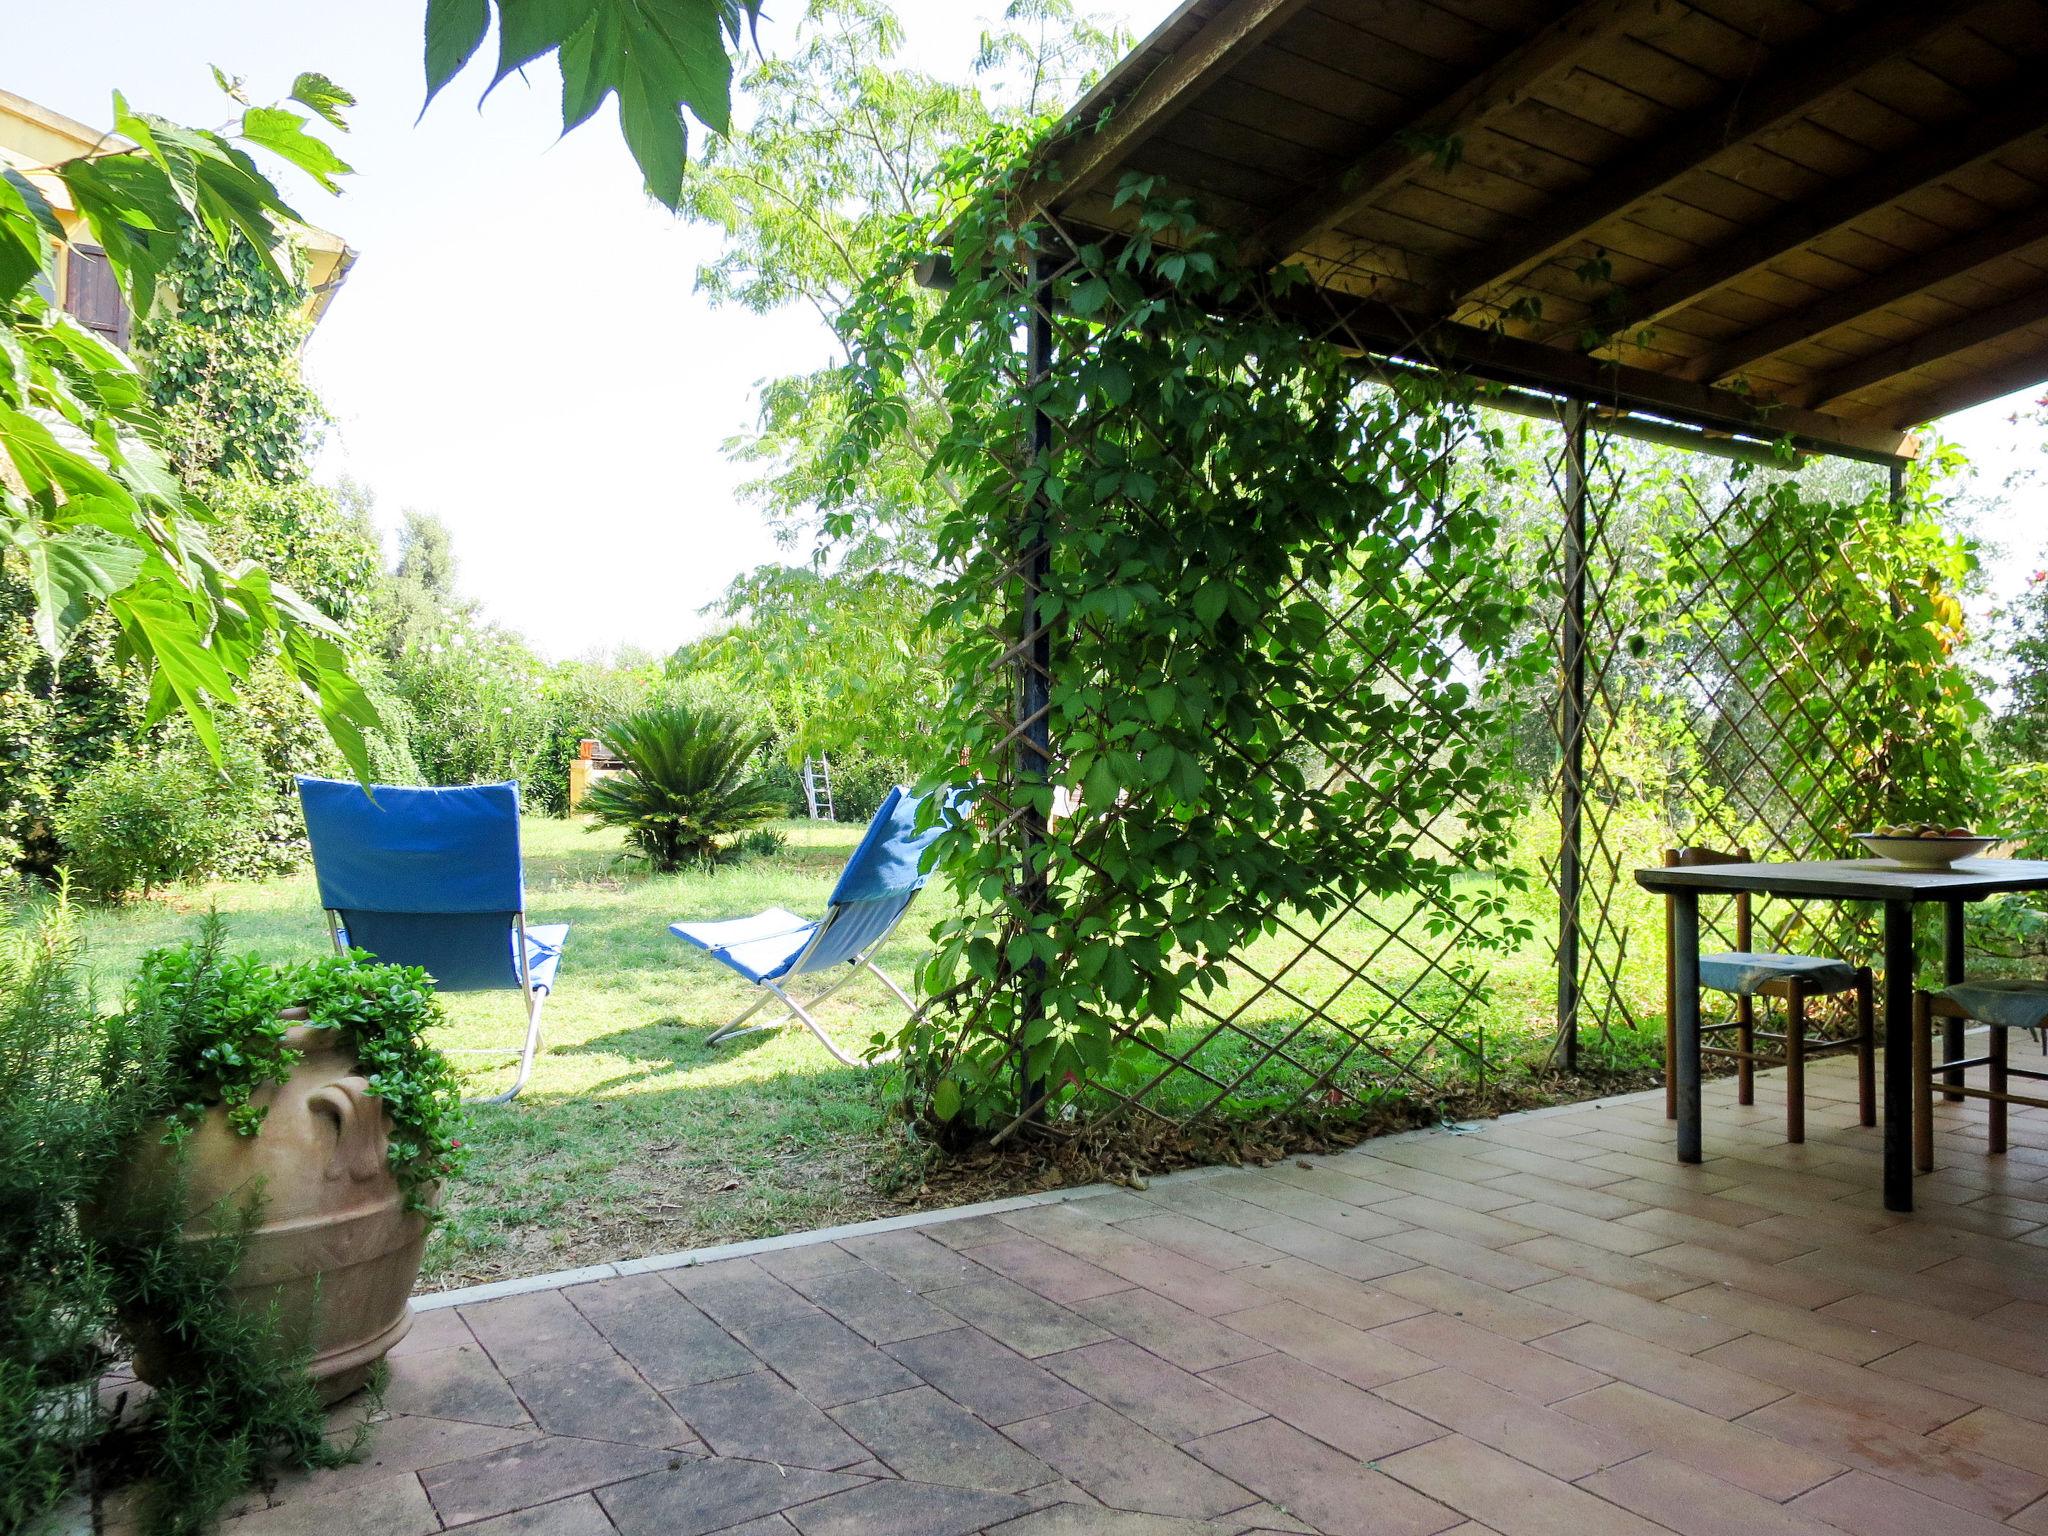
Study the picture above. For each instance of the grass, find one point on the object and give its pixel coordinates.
(636, 1137)
(633, 1136)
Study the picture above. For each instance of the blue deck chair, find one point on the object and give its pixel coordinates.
(432, 877)
(772, 948)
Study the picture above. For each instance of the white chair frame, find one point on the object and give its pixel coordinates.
(772, 992)
(535, 996)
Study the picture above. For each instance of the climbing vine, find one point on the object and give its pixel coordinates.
(222, 362)
(1254, 655)
(1276, 638)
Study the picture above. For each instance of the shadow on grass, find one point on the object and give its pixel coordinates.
(676, 1040)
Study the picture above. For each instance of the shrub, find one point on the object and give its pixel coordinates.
(860, 781)
(786, 781)
(75, 1090)
(761, 843)
(138, 823)
(694, 777)
(55, 1137)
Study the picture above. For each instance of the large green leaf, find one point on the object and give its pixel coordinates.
(315, 90)
(69, 579)
(660, 57)
(28, 225)
(50, 467)
(134, 213)
(284, 134)
(455, 30)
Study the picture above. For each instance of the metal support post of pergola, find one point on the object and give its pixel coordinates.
(1571, 731)
(1034, 693)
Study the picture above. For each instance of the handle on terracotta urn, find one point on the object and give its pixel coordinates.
(358, 1127)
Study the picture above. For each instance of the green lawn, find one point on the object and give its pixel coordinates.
(635, 1137)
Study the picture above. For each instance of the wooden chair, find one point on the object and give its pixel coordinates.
(1746, 975)
(2004, 1006)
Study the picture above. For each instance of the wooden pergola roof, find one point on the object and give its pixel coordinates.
(1818, 218)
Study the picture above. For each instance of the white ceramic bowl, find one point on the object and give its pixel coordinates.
(1924, 852)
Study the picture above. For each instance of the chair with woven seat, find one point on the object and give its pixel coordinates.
(1747, 974)
(2004, 1005)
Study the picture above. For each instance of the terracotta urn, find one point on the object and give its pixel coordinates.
(333, 1248)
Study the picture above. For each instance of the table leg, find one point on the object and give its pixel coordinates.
(1898, 1056)
(1952, 958)
(1685, 976)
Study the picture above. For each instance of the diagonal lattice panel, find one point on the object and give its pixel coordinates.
(1692, 736)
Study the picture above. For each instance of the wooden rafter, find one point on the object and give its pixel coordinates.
(1816, 77)
(1369, 325)
(1821, 66)
(1948, 148)
(1945, 341)
(2028, 369)
(1915, 275)
(1413, 147)
(1076, 164)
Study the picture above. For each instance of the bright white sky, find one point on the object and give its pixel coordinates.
(519, 348)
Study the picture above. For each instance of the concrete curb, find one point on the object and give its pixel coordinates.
(687, 1257)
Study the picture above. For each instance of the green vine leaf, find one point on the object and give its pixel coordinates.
(315, 90)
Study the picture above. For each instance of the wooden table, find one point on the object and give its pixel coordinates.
(1898, 889)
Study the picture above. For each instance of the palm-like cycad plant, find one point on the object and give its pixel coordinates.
(693, 778)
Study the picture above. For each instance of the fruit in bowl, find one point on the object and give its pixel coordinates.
(1924, 844)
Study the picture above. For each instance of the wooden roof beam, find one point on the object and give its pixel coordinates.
(1427, 342)
(1416, 144)
(1078, 163)
(2022, 372)
(1913, 276)
(1973, 330)
(1949, 147)
(1819, 67)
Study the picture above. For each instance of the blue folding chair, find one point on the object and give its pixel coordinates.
(432, 877)
(773, 948)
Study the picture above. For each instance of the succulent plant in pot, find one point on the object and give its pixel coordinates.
(299, 1110)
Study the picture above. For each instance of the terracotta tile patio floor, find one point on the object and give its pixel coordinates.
(1543, 1326)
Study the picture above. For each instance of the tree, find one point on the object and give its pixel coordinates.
(2019, 646)
(842, 150)
(426, 556)
(840, 154)
(419, 599)
(843, 660)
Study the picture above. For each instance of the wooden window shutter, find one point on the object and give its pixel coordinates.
(94, 297)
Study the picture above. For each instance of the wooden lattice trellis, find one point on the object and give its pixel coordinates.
(1651, 620)
(1684, 736)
